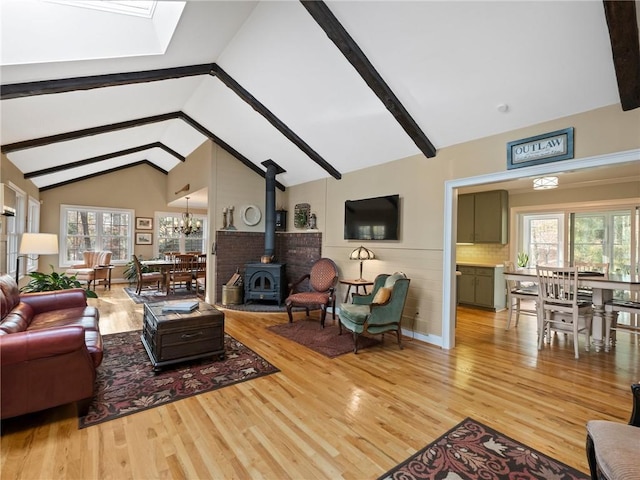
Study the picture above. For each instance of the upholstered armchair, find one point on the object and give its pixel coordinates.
(613, 448)
(378, 312)
(94, 269)
(322, 280)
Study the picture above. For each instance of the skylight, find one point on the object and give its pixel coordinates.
(48, 31)
(136, 8)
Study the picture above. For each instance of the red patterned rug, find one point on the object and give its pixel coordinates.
(126, 382)
(472, 451)
(326, 341)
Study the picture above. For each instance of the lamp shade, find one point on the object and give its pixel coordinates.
(362, 253)
(39, 244)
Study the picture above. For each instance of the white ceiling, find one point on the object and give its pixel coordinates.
(451, 63)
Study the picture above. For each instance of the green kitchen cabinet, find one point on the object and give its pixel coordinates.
(482, 287)
(483, 217)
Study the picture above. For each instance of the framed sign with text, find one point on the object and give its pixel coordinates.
(545, 148)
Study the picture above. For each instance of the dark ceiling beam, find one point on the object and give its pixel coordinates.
(46, 87)
(622, 21)
(225, 78)
(101, 158)
(104, 172)
(225, 146)
(87, 132)
(350, 49)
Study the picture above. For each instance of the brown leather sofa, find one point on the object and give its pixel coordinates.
(50, 347)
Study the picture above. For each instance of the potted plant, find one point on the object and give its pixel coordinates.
(523, 259)
(48, 282)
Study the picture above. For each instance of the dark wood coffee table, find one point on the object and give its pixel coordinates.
(171, 338)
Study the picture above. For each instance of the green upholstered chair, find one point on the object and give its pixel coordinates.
(378, 312)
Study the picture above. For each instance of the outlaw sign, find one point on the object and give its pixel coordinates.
(549, 147)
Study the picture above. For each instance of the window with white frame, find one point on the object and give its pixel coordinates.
(169, 240)
(15, 228)
(542, 238)
(95, 228)
(33, 226)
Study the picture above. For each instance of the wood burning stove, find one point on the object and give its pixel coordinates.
(265, 282)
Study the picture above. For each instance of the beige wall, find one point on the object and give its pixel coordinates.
(420, 183)
(418, 180)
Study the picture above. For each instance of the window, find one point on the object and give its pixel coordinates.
(33, 226)
(168, 240)
(542, 238)
(15, 228)
(95, 228)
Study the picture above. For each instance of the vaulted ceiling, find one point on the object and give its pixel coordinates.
(321, 88)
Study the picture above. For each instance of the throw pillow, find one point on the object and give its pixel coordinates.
(382, 295)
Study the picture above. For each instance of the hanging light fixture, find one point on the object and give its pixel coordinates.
(545, 183)
(188, 224)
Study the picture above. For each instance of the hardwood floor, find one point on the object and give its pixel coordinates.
(353, 417)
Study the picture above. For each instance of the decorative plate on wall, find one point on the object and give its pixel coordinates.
(251, 215)
(301, 215)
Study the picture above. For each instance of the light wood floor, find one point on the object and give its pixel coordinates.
(354, 417)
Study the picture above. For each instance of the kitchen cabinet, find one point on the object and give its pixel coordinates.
(482, 287)
(483, 217)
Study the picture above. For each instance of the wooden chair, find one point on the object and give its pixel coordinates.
(146, 278)
(559, 308)
(516, 293)
(378, 312)
(613, 448)
(322, 280)
(586, 293)
(200, 273)
(182, 272)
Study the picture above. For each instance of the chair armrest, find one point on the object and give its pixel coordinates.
(362, 298)
(36, 344)
(293, 286)
(635, 413)
(47, 301)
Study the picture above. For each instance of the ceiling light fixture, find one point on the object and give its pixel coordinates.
(188, 224)
(545, 183)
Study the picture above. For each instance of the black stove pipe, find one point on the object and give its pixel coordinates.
(270, 207)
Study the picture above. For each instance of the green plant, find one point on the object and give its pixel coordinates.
(523, 259)
(48, 282)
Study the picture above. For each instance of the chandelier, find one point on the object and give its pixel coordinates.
(188, 224)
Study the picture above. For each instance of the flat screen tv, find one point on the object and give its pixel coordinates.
(372, 218)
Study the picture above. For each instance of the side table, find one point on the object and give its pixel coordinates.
(107, 281)
(355, 283)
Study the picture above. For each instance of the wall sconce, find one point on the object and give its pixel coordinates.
(545, 183)
(361, 254)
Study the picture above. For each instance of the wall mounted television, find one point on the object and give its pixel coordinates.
(372, 218)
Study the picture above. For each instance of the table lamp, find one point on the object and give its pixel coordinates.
(36, 244)
(361, 254)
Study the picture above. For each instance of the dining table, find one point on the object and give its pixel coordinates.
(164, 266)
(602, 286)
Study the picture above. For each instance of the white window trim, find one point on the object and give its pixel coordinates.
(63, 230)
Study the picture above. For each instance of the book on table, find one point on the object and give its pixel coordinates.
(180, 307)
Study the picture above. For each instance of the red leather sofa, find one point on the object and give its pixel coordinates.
(50, 347)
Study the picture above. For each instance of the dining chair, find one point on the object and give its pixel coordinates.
(182, 271)
(146, 278)
(200, 272)
(559, 308)
(586, 293)
(517, 292)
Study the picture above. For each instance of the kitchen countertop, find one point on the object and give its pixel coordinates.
(480, 264)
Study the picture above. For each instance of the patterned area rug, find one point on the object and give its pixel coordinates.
(326, 341)
(152, 295)
(126, 382)
(471, 450)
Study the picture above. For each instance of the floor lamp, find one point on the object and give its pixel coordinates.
(36, 244)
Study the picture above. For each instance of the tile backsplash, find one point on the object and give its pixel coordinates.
(482, 253)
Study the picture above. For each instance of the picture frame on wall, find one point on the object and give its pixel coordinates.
(144, 238)
(144, 223)
(546, 148)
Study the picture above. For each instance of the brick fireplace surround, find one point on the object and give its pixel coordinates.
(234, 249)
